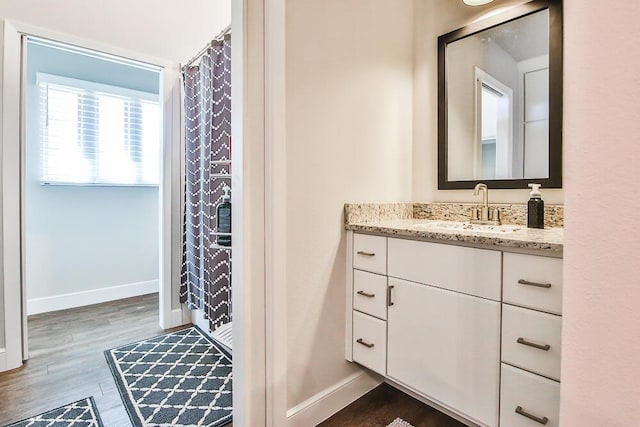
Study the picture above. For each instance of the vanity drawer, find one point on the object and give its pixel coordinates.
(370, 253)
(370, 293)
(466, 270)
(527, 399)
(524, 331)
(533, 281)
(370, 342)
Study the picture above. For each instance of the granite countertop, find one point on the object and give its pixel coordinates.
(395, 220)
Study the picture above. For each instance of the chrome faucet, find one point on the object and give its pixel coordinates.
(484, 211)
(484, 215)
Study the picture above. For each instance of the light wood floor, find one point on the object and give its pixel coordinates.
(67, 361)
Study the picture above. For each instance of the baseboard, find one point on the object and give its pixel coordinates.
(94, 296)
(322, 405)
(178, 317)
(3, 360)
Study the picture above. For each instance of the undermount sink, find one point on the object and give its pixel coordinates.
(465, 226)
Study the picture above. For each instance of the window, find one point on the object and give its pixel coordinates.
(95, 134)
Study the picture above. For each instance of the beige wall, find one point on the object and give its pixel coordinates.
(349, 68)
(601, 319)
(431, 19)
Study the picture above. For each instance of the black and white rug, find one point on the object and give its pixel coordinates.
(399, 422)
(82, 413)
(178, 379)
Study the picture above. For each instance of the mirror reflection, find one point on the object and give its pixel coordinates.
(497, 84)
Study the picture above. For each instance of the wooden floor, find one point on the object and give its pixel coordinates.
(67, 361)
(67, 364)
(384, 404)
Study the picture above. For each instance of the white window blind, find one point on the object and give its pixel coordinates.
(95, 134)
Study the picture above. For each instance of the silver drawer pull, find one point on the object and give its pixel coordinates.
(523, 341)
(364, 294)
(364, 343)
(366, 253)
(537, 285)
(520, 411)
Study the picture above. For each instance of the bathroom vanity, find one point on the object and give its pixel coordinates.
(467, 318)
(461, 304)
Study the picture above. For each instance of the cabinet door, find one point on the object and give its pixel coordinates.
(446, 345)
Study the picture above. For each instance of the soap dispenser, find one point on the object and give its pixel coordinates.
(223, 219)
(535, 216)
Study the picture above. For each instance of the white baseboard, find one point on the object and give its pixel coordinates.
(178, 318)
(322, 405)
(3, 360)
(94, 296)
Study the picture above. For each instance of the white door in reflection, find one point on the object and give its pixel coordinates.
(494, 119)
(536, 122)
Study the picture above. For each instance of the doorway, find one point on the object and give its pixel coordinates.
(91, 173)
(261, 379)
(90, 153)
(13, 339)
(493, 147)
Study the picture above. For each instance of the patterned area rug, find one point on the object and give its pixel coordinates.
(178, 379)
(82, 413)
(399, 422)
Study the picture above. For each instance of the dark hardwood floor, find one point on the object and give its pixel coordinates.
(384, 404)
(67, 361)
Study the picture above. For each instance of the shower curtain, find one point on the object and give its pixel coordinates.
(206, 268)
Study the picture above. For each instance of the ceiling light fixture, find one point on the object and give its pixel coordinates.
(476, 2)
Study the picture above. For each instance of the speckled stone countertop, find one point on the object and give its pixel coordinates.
(399, 219)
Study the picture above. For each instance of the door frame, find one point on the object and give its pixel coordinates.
(505, 129)
(259, 273)
(258, 111)
(11, 177)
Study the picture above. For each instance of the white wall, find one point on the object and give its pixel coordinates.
(172, 30)
(349, 67)
(601, 319)
(169, 29)
(431, 19)
(82, 238)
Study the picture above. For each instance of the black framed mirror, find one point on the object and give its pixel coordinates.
(500, 100)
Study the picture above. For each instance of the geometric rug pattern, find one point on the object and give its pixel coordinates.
(399, 422)
(178, 379)
(82, 413)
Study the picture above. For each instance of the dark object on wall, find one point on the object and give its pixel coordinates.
(554, 180)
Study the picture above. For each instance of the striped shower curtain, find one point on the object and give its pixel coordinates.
(206, 269)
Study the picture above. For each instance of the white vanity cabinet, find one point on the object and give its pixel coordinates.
(444, 324)
(531, 341)
(431, 317)
(367, 302)
(446, 345)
